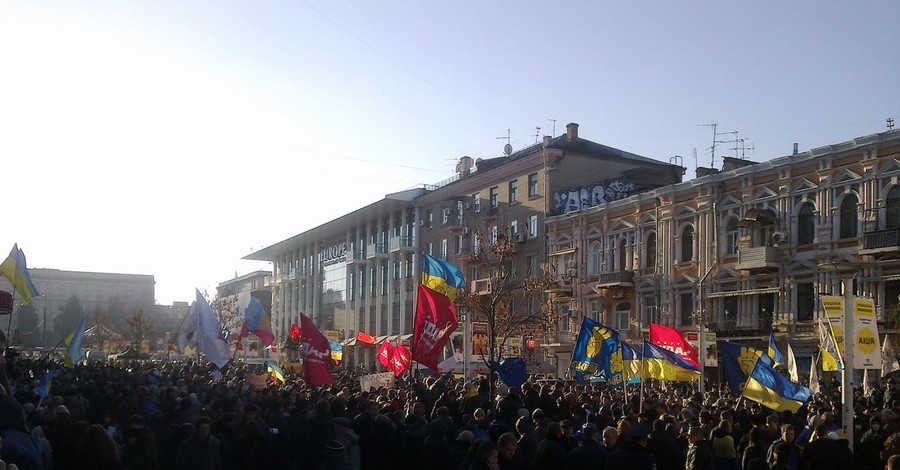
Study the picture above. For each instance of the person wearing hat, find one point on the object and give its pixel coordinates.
(822, 453)
(666, 450)
(568, 434)
(699, 454)
(335, 458)
(343, 432)
(634, 454)
(551, 451)
(590, 454)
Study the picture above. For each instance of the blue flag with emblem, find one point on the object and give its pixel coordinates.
(738, 361)
(774, 353)
(595, 353)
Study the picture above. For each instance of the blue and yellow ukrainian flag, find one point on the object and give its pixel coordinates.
(441, 276)
(73, 342)
(593, 353)
(631, 363)
(660, 363)
(738, 361)
(275, 371)
(15, 269)
(771, 389)
(774, 353)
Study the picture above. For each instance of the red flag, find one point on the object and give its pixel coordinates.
(673, 340)
(401, 360)
(293, 339)
(435, 321)
(316, 354)
(294, 333)
(386, 355)
(365, 338)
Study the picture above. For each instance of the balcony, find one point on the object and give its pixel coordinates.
(402, 245)
(376, 251)
(563, 285)
(757, 258)
(355, 256)
(881, 241)
(616, 279)
(271, 281)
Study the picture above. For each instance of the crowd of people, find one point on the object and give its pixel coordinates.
(181, 415)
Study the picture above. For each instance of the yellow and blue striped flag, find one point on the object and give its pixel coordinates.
(275, 371)
(774, 353)
(74, 350)
(771, 389)
(660, 363)
(441, 276)
(15, 269)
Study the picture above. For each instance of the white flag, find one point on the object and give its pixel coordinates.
(867, 385)
(814, 376)
(792, 365)
(888, 359)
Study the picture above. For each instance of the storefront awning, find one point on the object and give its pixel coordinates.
(737, 293)
(565, 251)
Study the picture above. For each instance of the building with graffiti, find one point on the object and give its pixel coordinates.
(741, 250)
(509, 198)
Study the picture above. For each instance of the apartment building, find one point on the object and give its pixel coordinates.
(742, 250)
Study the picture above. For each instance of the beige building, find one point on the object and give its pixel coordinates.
(742, 250)
(510, 198)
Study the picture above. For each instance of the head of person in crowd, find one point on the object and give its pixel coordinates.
(610, 437)
(638, 433)
(782, 452)
(506, 446)
(787, 433)
(695, 434)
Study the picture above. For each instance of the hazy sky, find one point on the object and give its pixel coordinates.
(172, 138)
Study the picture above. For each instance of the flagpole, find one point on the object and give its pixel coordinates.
(175, 337)
(643, 355)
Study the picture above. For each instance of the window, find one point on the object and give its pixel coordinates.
(594, 258)
(686, 306)
(687, 243)
(622, 316)
(494, 196)
(444, 248)
(623, 254)
(351, 276)
(476, 202)
(384, 279)
(513, 191)
(430, 248)
(532, 265)
(373, 284)
(849, 219)
(460, 242)
(532, 306)
(806, 301)
(476, 244)
(460, 207)
(494, 234)
(409, 266)
(732, 237)
(429, 219)
(532, 226)
(533, 185)
(806, 224)
(650, 251)
(729, 312)
(445, 215)
(514, 228)
(396, 269)
(362, 283)
(892, 214)
(651, 311)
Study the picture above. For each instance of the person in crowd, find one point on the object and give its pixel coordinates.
(699, 453)
(201, 451)
(787, 438)
(590, 454)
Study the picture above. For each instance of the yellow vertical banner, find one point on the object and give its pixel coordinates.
(866, 354)
(834, 310)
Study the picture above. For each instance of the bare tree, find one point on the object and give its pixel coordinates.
(140, 327)
(507, 295)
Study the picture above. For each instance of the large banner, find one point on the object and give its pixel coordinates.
(512, 347)
(866, 354)
(384, 379)
(480, 340)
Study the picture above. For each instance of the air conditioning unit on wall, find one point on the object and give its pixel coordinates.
(618, 294)
(779, 237)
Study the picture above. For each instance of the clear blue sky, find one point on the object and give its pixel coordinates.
(172, 138)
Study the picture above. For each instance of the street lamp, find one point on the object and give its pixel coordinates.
(847, 271)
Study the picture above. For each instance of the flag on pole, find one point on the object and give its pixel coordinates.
(256, 320)
(738, 360)
(337, 351)
(74, 350)
(206, 332)
(673, 340)
(792, 365)
(42, 389)
(593, 353)
(441, 276)
(363, 337)
(435, 321)
(774, 353)
(316, 354)
(829, 363)
(660, 363)
(888, 359)
(386, 355)
(293, 339)
(814, 375)
(402, 359)
(830, 346)
(15, 269)
(771, 389)
(275, 371)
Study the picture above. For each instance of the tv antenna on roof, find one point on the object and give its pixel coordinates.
(507, 149)
(537, 134)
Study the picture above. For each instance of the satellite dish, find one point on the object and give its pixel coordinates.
(507, 149)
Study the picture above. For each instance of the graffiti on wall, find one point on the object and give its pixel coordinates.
(569, 200)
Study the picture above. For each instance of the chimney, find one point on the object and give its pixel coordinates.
(571, 132)
(464, 167)
(547, 140)
(795, 148)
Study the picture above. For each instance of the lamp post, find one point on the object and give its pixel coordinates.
(846, 271)
(466, 344)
